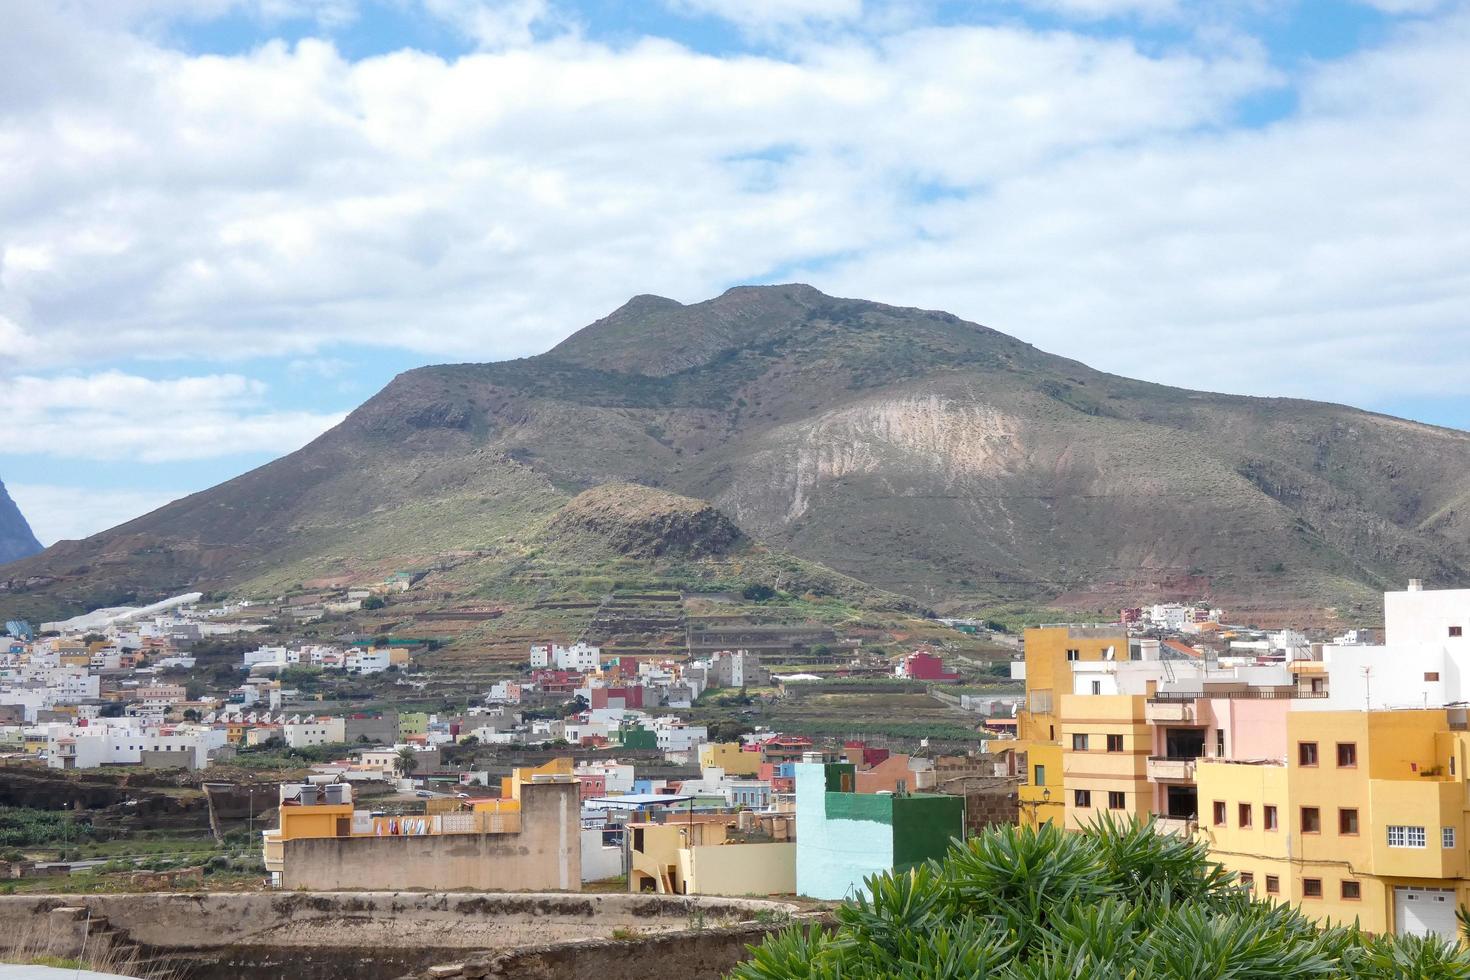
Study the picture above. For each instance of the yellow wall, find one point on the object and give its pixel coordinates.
(742, 869)
(1250, 850)
(729, 757)
(510, 786)
(314, 821)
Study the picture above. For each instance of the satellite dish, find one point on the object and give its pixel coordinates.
(1109, 653)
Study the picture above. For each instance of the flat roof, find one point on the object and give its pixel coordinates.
(633, 800)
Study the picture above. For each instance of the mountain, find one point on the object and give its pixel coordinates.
(16, 539)
(905, 448)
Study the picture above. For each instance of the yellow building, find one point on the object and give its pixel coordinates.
(1050, 652)
(700, 858)
(730, 757)
(1365, 820)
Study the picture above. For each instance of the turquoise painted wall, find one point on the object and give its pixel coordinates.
(841, 838)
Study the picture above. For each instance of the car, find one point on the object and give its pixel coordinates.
(423, 794)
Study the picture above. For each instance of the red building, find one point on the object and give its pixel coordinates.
(557, 681)
(594, 785)
(921, 665)
(617, 697)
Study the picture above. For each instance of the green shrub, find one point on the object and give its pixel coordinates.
(1119, 901)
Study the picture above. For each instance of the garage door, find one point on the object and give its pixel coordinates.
(1421, 911)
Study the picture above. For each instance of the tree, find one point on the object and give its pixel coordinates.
(1119, 900)
(191, 714)
(757, 592)
(373, 602)
(406, 761)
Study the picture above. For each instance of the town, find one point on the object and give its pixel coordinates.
(1326, 772)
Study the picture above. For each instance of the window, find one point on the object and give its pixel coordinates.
(1456, 631)
(1311, 820)
(1082, 798)
(1403, 836)
(1347, 822)
(1097, 687)
(1447, 837)
(1115, 743)
(1347, 755)
(1247, 881)
(1243, 814)
(1268, 817)
(1040, 776)
(1431, 675)
(1219, 813)
(1306, 753)
(1219, 743)
(1115, 800)
(1073, 655)
(1273, 885)
(1311, 888)
(1079, 743)
(1351, 891)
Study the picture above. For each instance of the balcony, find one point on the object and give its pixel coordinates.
(1165, 769)
(1179, 826)
(1155, 712)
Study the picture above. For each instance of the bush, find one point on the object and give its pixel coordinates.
(1120, 900)
(756, 592)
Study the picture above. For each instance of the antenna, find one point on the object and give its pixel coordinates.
(1367, 688)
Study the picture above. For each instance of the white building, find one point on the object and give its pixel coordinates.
(580, 657)
(320, 731)
(1424, 660)
(373, 661)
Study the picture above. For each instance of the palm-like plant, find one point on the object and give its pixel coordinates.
(1119, 901)
(407, 760)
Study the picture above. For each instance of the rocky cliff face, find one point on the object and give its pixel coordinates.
(16, 539)
(907, 448)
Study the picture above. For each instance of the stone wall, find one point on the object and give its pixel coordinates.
(546, 854)
(308, 922)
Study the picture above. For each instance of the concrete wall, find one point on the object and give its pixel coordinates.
(707, 954)
(546, 854)
(598, 862)
(743, 869)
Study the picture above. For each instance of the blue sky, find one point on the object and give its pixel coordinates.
(228, 222)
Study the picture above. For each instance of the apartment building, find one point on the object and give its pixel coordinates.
(1051, 653)
(1338, 784)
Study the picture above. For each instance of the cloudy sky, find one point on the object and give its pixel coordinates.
(224, 223)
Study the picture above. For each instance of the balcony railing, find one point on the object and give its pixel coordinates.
(1157, 711)
(1182, 826)
(1254, 694)
(1170, 769)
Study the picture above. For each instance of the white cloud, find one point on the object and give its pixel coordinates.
(1081, 192)
(115, 416)
(772, 13)
(58, 513)
(1104, 9)
(287, 200)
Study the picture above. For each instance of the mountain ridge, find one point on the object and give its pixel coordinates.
(17, 540)
(910, 449)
